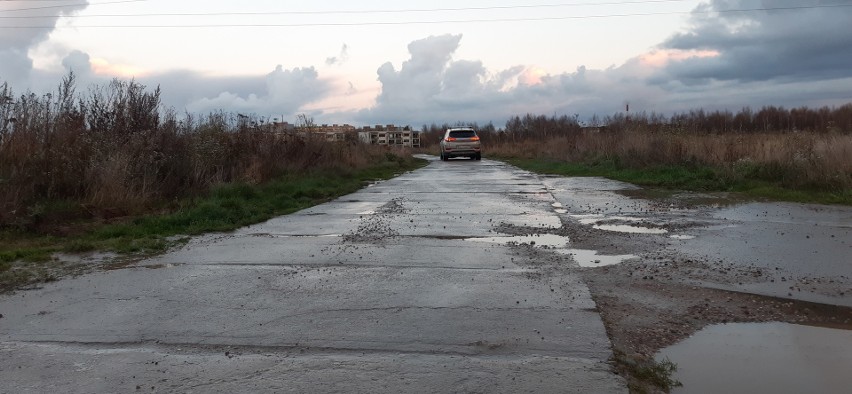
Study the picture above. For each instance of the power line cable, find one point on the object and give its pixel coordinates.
(351, 12)
(67, 5)
(397, 23)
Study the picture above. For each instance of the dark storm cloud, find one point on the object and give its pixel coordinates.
(790, 45)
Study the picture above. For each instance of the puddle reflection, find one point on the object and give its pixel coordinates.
(763, 358)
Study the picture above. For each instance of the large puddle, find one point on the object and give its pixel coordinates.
(763, 358)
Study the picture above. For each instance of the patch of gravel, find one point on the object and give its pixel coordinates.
(376, 228)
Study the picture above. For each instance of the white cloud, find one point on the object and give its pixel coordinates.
(285, 92)
(433, 87)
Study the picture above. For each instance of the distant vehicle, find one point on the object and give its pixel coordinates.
(461, 141)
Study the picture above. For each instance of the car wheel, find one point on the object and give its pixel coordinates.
(479, 156)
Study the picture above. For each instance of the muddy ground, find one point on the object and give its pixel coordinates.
(674, 286)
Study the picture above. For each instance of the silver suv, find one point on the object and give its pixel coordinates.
(461, 142)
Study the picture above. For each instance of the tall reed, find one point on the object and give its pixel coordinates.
(115, 150)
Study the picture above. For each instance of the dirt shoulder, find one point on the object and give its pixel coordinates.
(663, 296)
(697, 261)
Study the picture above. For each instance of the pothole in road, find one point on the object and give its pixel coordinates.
(591, 258)
(547, 241)
(619, 224)
(269, 235)
(623, 228)
(682, 237)
(583, 257)
(763, 357)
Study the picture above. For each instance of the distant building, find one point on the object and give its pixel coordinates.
(282, 127)
(390, 135)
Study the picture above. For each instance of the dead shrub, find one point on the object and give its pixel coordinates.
(115, 151)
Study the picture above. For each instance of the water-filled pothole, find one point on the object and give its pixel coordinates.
(624, 228)
(682, 237)
(763, 358)
(617, 224)
(591, 258)
(585, 258)
(539, 240)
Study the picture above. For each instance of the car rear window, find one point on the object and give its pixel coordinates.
(463, 134)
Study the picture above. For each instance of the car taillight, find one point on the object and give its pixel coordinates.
(450, 139)
(474, 138)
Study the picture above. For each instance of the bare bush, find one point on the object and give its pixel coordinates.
(115, 151)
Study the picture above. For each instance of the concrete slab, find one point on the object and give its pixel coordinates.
(374, 292)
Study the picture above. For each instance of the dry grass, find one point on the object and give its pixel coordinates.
(798, 160)
(115, 151)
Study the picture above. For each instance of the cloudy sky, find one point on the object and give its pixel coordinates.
(438, 61)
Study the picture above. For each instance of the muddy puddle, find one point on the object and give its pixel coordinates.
(763, 358)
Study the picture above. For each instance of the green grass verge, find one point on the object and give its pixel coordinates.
(24, 256)
(695, 178)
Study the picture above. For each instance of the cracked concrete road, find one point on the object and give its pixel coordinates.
(378, 291)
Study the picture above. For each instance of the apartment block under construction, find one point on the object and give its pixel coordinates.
(390, 135)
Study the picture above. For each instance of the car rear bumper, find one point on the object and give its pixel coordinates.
(461, 152)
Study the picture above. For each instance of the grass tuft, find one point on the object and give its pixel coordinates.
(646, 375)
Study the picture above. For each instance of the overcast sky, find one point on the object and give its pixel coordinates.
(416, 62)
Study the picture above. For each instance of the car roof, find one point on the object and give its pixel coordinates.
(460, 128)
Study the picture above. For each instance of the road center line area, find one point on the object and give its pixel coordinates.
(390, 291)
